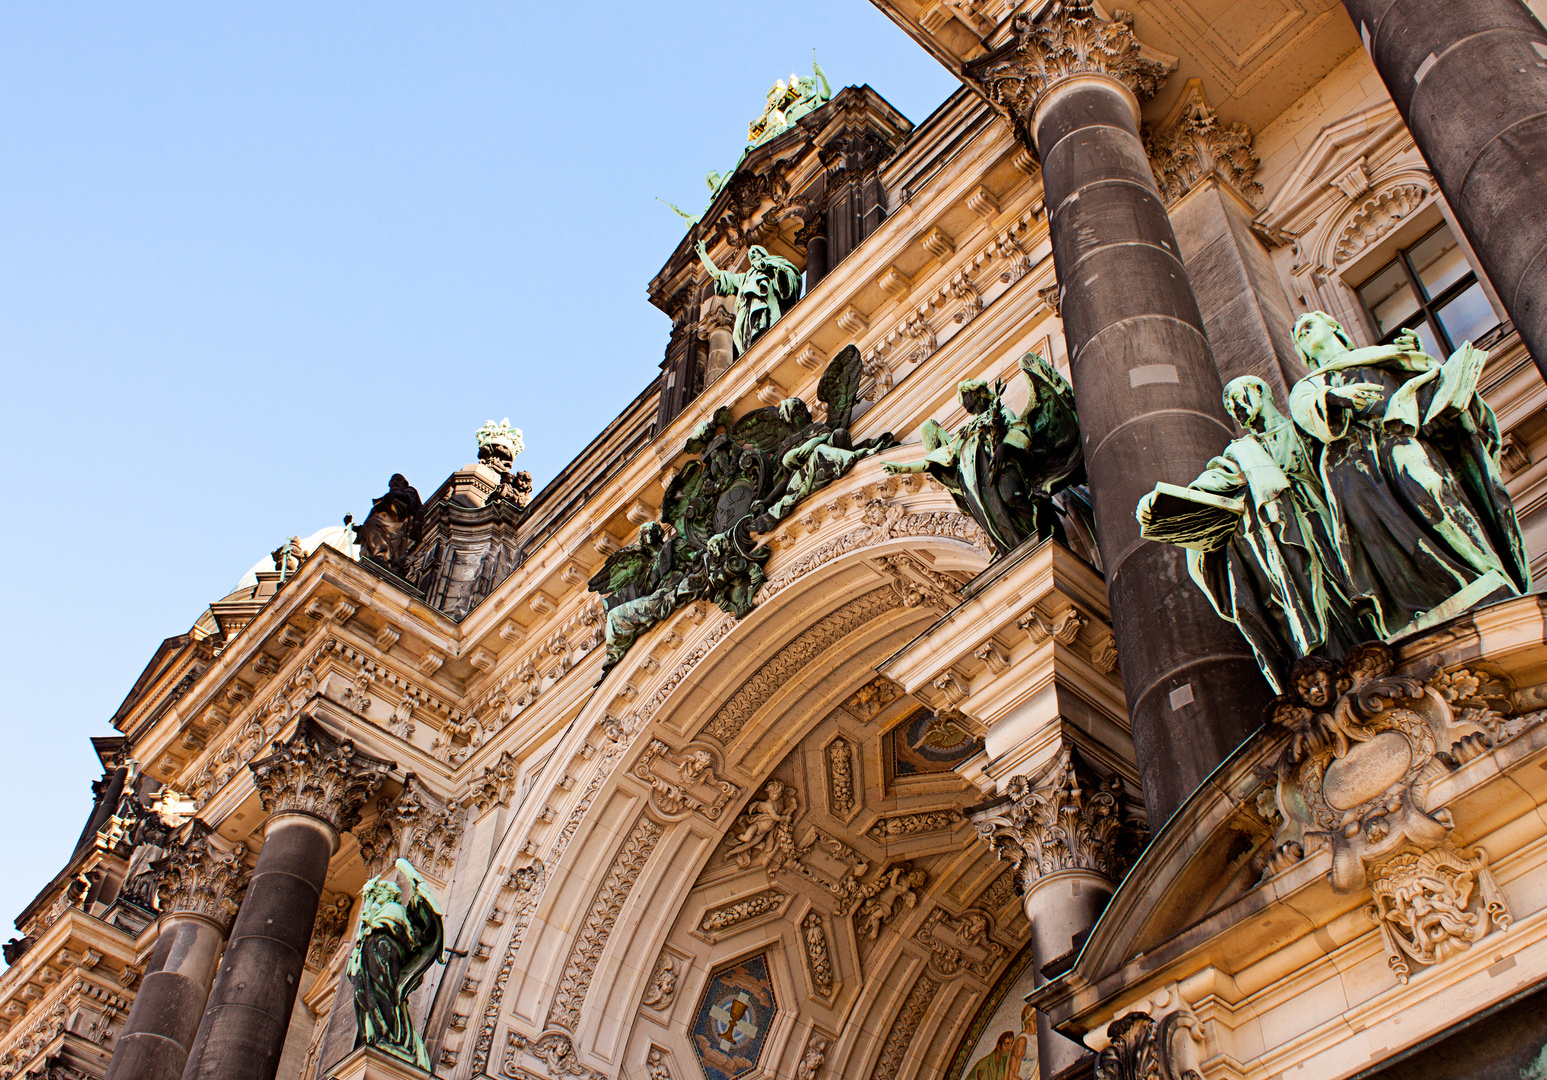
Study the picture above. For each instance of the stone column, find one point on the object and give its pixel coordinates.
(199, 890)
(1144, 381)
(1470, 80)
(1070, 837)
(715, 327)
(313, 787)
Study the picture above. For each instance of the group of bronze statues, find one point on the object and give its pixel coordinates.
(747, 477)
(1376, 506)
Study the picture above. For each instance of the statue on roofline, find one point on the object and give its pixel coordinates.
(397, 938)
(1009, 470)
(1376, 507)
(766, 290)
(393, 526)
(787, 103)
(749, 475)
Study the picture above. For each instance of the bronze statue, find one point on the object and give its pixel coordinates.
(393, 526)
(1005, 468)
(397, 938)
(766, 290)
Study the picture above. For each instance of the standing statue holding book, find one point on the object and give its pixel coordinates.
(397, 938)
(1375, 508)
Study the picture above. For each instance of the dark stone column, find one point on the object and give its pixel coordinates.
(313, 787)
(199, 889)
(1145, 383)
(1470, 79)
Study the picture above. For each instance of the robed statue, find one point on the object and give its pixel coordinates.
(1376, 506)
(1005, 467)
(764, 292)
(397, 938)
(643, 583)
(393, 525)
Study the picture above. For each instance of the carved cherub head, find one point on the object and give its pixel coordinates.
(1315, 681)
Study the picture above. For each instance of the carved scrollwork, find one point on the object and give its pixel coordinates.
(685, 780)
(555, 1049)
(314, 773)
(203, 880)
(958, 942)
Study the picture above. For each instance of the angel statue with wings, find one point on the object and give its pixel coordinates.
(1005, 467)
(643, 583)
(397, 938)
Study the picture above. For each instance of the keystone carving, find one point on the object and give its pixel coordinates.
(314, 773)
(1073, 41)
(1432, 906)
(957, 942)
(870, 699)
(684, 781)
(203, 880)
(1063, 819)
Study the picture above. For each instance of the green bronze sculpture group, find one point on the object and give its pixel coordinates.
(397, 937)
(1377, 506)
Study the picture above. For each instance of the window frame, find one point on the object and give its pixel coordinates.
(1428, 307)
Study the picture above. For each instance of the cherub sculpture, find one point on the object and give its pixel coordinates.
(1002, 467)
(897, 887)
(761, 826)
(397, 938)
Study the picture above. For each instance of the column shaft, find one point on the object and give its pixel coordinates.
(1148, 396)
(165, 1015)
(1062, 907)
(243, 1030)
(1470, 80)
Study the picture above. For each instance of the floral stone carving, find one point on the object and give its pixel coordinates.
(203, 880)
(314, 773)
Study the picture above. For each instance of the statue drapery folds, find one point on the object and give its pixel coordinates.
(764, 292)
(1376, 504)
(397, 938)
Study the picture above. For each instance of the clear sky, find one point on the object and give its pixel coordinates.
(256, 258)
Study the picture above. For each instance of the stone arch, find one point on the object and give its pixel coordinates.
(656, 765)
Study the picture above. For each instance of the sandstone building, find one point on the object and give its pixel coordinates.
(927, 807)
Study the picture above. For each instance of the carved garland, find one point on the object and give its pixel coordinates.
(900, 1037)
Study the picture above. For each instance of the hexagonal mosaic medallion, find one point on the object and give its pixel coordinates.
(733, 1019)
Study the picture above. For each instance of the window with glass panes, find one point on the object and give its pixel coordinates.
(1431, 289)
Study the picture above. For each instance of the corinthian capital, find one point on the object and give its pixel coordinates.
(1199, 145)
(314, 773)
(1071, 41)
(1063, 818)
(200, 878)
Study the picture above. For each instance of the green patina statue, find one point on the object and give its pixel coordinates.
(1005, 468)
(1376, 507)
(766, 290)
(788, 102)
(749, 475)
(397, 938)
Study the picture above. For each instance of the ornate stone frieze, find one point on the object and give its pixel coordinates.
(314, 773)
(904, 1027)
(684, 781)
(811, 644)
(870, 699)
(662, 990)
(918, 584)
(999, 892)
(556, 1051)
(200, 878)
(960, 942)
(819, 961)
(1073, 41)
(597, 928)
(525, 881)
(892, 826)
(1060, 819)
(840, 776)
(1199, 145)
(725, 917)
(1433, 905)
(1143, 1048)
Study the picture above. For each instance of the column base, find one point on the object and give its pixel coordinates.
(371, 1063)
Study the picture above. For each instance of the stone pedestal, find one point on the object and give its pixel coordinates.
(369, 1063)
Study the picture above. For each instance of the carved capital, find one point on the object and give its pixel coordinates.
(1064, 818)
(418, 825)
(1197, 146)
(203, 880)
(1071, 42)
(314, 773)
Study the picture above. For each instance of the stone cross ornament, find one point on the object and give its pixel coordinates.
(400, 933)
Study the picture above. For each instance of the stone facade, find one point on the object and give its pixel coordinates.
(847, 834)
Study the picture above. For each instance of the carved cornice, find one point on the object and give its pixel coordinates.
(1075, 41)
(1199, 145)
(1063, 819)
(203, 880)
(314, 773)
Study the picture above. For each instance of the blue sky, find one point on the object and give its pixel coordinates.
(254, 259)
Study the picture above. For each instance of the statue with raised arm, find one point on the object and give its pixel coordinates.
(788, 102)
(766, 290)
(1409, 460)
(1259, 538)
(1003, 467)
(397, 938)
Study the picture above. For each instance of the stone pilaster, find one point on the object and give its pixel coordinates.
(1070, 837)
(199, 890)
(1144, 379)
(314, 787)
(1469, 80)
